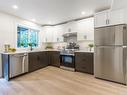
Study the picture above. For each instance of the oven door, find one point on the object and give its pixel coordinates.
(67, 61)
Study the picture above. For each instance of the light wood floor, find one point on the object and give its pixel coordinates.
(55, 81)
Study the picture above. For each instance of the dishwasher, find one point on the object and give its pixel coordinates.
(18, 64)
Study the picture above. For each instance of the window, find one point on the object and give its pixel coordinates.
(26, 37)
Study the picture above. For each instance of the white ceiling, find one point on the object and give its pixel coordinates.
(53, 11)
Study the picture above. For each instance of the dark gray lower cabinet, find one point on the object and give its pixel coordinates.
(84, 62)
(37, 60)
(5, 66)
(54, 58)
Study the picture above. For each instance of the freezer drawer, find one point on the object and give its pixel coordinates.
(110, 63)
(104, 36)
(111, 35)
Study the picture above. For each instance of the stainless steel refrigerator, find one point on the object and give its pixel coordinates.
(111, 53)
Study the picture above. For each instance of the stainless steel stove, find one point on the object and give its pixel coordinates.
(67, 57)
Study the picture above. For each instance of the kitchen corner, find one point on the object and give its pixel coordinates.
(22, 62)
(61, 49)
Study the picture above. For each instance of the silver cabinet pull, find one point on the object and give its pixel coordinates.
(108, 21)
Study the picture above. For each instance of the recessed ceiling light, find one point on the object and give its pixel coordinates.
(50, 22)
(33, 20)
(83, 13)
(15, 7)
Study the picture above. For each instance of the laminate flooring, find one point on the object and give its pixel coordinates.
(55, 81)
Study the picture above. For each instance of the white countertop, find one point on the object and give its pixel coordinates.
(27, 51)
(85, 51)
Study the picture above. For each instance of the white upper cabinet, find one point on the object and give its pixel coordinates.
(117, 17)
(101, 19)
(47, 35)
(85, 29)
(58, 33)
(52, 34)
(70, 27)
(110, 17)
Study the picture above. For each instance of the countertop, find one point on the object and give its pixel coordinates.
(85, 51)
(27, 51)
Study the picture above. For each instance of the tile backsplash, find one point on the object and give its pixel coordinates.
(83, 45)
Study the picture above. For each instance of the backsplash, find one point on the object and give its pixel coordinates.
(83, 45)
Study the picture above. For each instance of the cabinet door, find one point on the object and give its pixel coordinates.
(37, 61)
(55, 58)
(43, 59)
(84, 62)
(70, 27)
(33, 62)
(116, 17)
(81, 36)
(101, 19)
(85, 29)
(58, 33)
(47, 34)
(57, 37)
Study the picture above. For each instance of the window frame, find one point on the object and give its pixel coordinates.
(29, 29)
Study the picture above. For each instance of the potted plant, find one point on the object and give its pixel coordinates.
(91, 46)
(22, 44)
(49, 46)
(30, 44)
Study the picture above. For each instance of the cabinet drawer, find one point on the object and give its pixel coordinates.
(84, 62)
(84, 69)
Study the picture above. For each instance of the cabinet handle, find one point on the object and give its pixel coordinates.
(38, 58)
(57, 39)
(106, 21)
(46, 39)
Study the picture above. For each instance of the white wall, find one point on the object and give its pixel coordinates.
(117, 4)
(8, 33)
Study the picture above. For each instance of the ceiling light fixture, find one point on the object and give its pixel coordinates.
(33, 20)
(15, 7)
(50, 22)
(83, 13)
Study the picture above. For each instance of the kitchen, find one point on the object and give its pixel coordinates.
(44, 51)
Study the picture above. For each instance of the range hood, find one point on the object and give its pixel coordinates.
(70, 34)
(70, 37)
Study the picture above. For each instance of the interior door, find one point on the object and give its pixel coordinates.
(109, 63)
(105, 36)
